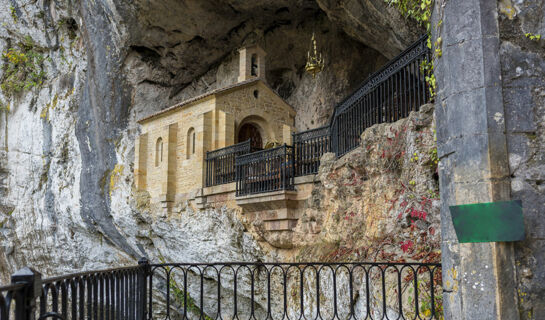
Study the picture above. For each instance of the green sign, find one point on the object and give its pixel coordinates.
(488, 222)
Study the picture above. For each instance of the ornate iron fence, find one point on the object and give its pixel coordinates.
(230, 291)
(265, 171)
(309, 146)
(387, 95)
(220, 163)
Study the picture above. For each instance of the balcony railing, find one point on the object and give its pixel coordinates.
(387, 95)
(265, 171)
(309, 146)
(220, 163)
(230, 291)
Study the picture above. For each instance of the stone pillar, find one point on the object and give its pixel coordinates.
(140, 161)
(478, 278)
(286, 134)
(226, 130)
(168, 165)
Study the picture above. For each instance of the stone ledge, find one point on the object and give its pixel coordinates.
(311, 178)
(267, 201)
(221, 188)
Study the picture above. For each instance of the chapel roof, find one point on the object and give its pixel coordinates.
(207, 94)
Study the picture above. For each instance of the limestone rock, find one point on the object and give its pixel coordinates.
(67, 146)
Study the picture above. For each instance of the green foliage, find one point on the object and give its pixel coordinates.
(180, 296)
(533, 37)
(434, 158)
(23, 68)
(4, 108)
(419, 10)
(13, 13)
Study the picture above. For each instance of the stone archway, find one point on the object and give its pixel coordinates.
(255, 128)
(252, 132)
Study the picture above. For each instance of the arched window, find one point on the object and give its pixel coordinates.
(253, 68)
(158, 152)
(190, 142)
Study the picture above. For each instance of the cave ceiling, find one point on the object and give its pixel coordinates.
(183, 40)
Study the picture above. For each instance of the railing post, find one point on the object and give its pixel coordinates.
(142, 287)
(25, 299)
(284, 166)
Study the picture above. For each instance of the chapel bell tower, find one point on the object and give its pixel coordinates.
(252, 63)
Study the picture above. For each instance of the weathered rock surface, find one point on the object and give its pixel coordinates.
(523, 77)
(374, 23)
(378, 202)
(66, 147)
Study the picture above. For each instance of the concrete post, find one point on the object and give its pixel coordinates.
(478, 278)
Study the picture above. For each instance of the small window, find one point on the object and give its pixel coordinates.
(254, 65)
(158, 152)
(191, 137)
(256, 94)
(193, 144)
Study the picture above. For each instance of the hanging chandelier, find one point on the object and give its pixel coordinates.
(315, 62)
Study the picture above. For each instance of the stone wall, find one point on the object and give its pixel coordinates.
(184, 170)
(523, 84)
(268, 111)
(179, 171)
(491, 69)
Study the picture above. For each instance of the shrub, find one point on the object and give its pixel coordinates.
(23, 69)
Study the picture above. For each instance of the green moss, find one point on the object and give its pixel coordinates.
(45, 111)
(114, 176)
(13, 13)
(5, 108)
(182, 297)
(23, 68)
(531, 136)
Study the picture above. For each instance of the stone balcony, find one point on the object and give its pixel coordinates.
(276, 212)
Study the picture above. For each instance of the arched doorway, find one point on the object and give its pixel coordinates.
(250, 131)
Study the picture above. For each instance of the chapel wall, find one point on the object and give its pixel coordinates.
(242, 104)
(181, 170)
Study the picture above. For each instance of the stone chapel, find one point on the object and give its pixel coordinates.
(172, 146)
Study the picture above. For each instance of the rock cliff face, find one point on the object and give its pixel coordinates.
(67, 121)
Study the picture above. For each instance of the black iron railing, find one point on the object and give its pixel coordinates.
(387, 95)
(231, 291)
(106, 294)
(309, 146)
(265, 171)
(220, 163)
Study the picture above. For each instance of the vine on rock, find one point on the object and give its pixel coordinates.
(23, 68)
(420, 11)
